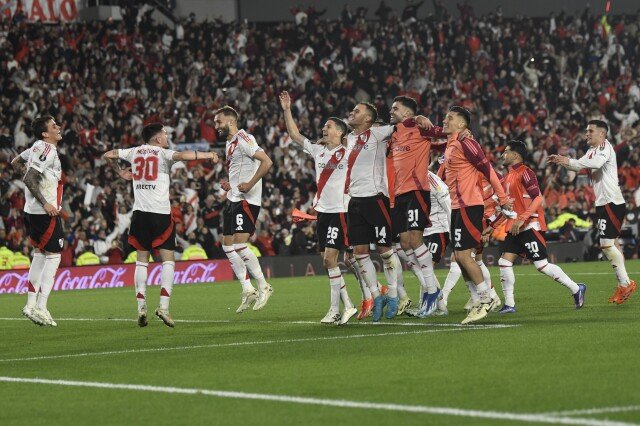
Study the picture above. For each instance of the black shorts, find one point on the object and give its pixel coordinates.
(152, 231)
(240, 217)
(332, 231)
(411, 211)
(395, 225)
(530, 244)
(437, 245)
(610, 218)
(369, 221)
(466, 227)
(45, 231)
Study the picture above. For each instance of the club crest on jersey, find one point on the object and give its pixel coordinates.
(338, 155)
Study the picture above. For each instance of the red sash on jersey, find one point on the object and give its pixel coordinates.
(330, 167)
(360, 142)
(230, 151)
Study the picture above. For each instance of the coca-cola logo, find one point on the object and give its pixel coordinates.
(196, 272)
(110, 276)
(14, 281)
(104, 277)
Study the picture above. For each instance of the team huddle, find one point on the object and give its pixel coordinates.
(374, 188)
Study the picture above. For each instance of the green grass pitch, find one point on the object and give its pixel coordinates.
(289, 369)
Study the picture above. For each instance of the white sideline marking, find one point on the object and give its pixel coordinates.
(447, 411)
(264, 342)
(594, 411)
(359, 323)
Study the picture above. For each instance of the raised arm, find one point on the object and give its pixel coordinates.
(292, 128)
(19, 164)
(265, 165)
(195, 155)
(111, 157)
(585, 162)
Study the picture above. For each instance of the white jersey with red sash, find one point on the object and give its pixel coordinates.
(331, 172)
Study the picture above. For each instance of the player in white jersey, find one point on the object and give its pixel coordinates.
(600, 162)
(247, 163)
(436, 237)
(330, 202)
(43, 181)
(152, 227)
(369, 218)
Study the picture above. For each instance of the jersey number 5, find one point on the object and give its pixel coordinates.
(145, 168)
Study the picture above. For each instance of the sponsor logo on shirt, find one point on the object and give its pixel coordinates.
(145, 186)
(331, 166)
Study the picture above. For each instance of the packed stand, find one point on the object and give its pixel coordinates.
(538, 80)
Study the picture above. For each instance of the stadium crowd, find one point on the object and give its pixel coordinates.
(538, 80)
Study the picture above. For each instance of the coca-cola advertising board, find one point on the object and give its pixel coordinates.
(110, 276)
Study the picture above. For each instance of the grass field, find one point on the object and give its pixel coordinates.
(546, 364)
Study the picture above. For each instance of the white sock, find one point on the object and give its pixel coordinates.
(35, 270)
(402, 292)
(412, 263)
(473, 292)
(617, 261)
(555, 272)
(335, 281)
(239, 268)
(47, 278)
(485, 272)
(352, 263)
(344, 295)
(452, 278)
(251, 261)
(140, 279)
(484, 292)
(166, 281)
(425, 260)
(508, 280)
(391, 264)
(368, 271)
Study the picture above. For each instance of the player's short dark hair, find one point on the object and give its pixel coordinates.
(463, 112)
(600, 124)
(407, 102)
(341, 125)
(228, 111)
(371, 109)
(519, 147)
(39, 125)
(150, 130)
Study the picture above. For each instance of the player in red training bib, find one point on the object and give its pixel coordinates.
(524, 233)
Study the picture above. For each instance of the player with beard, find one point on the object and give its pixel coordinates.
(525, 232)
(247, 164)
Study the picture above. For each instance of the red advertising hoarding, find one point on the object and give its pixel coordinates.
(110, 276)
(41, 10)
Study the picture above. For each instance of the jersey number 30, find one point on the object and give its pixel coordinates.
(145, 168)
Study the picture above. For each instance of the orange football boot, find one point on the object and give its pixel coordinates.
(365, 308)
(623, 293)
